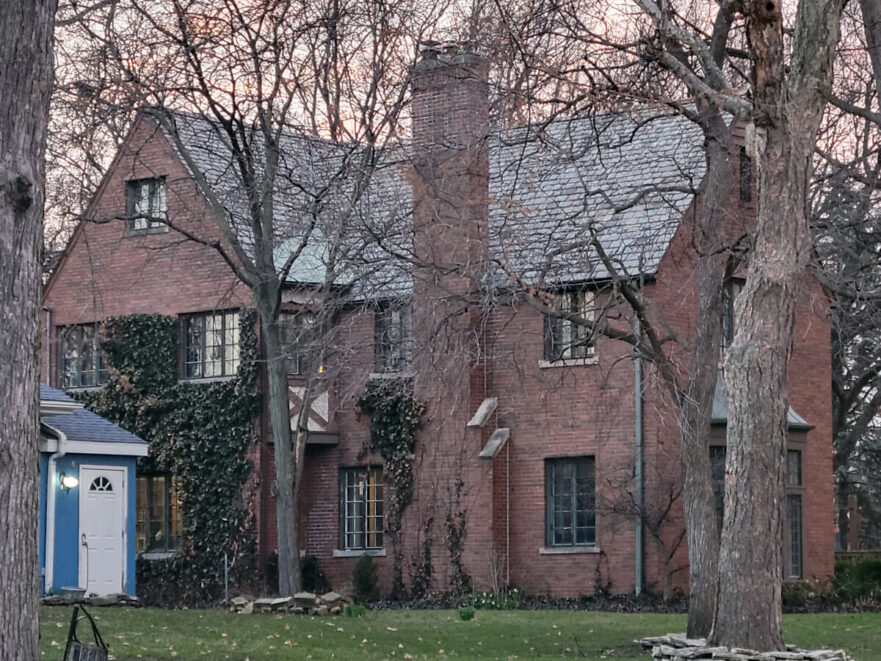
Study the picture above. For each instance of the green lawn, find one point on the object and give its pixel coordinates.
(192, 635)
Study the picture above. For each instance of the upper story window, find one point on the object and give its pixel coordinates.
(81, 361)
(746, 176)
(299, 341)
(731, 291)
(393, 337)
(145, 204)
(211, 345)
(570, 502)
(566, 334)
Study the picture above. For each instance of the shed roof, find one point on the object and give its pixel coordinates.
(720, 409)
(83, 425)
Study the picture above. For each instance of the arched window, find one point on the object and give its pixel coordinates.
(101, 483)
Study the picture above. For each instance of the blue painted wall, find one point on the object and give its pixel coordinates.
(67, 514)
(41, 505)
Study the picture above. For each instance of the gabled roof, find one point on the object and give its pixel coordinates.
(83, 425)
(628, 178)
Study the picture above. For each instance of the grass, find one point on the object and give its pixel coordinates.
(191, 635)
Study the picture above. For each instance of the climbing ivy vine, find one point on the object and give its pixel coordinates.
(198, 432)
(395, 417)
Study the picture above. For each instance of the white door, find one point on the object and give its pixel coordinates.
(102, 529)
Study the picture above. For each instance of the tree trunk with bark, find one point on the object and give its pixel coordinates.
(697, 402)
(788, 109)
(25, 79)
(286, 487)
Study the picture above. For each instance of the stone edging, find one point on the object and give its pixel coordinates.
(676, 646)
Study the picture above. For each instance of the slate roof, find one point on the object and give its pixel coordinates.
(625, 178)
(83, 425)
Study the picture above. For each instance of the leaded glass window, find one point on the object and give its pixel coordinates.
(571, 509)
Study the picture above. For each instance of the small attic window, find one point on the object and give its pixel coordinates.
(746, 176)
(146, 205)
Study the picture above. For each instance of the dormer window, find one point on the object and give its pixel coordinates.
(145, 205)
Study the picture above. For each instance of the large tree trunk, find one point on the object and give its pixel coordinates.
(788, 109)
(696, 410)
(286, 487)
(25, 79)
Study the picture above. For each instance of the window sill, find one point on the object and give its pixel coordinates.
(568, 550)
(357, 553)
(147, 230)
(568, 362)
(380, 376)
(158, 555)
(84, 388)
(207, 379)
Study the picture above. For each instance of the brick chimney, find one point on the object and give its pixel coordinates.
(450, 126)
(450, 176)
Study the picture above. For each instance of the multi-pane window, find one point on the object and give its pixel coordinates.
(362, 509)
(793, 516)
(81, 361)
(393, 337)
(145, 204)
(211, 345)
(157, 514)
(571, 510)
(566, 335)
(794, 554)
(299, 341)
(717, 474)
(746, 176)
(731, 291)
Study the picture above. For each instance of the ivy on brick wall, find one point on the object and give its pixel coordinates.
(395, 417)
(198, 432)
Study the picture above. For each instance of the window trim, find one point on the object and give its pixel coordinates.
(98, 357)
(152, 226)
(183, 331)
(587, 310)
(344, 549)
(550, 547)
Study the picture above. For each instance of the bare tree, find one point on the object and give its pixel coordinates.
(25, 77)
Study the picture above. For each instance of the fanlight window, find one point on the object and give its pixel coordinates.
(101, 483)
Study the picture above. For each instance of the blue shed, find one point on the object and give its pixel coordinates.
(87, 499)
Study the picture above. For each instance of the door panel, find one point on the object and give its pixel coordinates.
(102, 529)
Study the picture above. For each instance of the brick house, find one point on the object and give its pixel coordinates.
(539, 441)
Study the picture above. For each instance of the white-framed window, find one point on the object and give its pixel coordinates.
(362, 509)
(393, 337)
(570, 502)
(210, 345)
(145, 204)
(81, 362)
(566, 334)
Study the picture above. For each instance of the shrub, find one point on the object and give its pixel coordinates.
(355, 610)
(364, 579)
(314, 579)
(466, 613)
(859, 582)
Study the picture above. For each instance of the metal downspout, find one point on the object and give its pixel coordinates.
(52, 488)
(638, 464)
